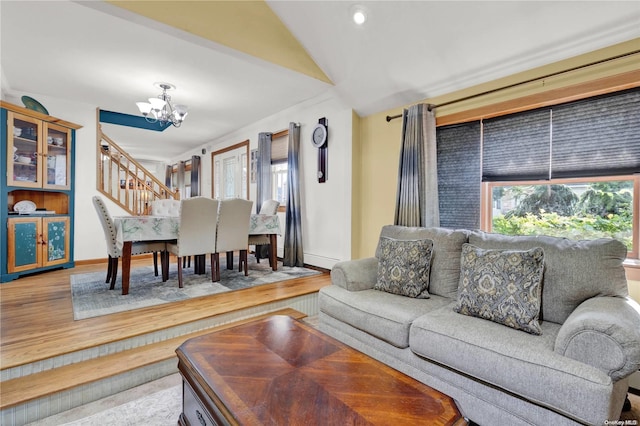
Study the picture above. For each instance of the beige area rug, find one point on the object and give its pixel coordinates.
(91, 297)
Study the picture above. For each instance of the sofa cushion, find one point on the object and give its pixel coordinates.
(520, 363)
(403, 267)
(445, 259)
(574, 270)
(501, 286)
(383, 315)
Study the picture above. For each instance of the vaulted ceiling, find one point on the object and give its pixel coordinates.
(234, 63)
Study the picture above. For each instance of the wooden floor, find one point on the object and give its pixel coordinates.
(36, 315)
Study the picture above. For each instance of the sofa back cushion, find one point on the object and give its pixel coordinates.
(445, 257)
(574, 271)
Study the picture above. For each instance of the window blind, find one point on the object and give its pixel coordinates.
(279, 149)
(598, 136)
(517, 146)
(459, 175)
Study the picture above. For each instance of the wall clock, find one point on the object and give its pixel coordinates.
(320, 140)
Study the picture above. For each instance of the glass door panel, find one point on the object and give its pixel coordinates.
(23, 159)
(56, 153)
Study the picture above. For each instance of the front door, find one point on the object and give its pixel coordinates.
(230, 168)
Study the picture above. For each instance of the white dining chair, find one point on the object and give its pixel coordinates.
(233, 233)
(165, 207)
(269, 207)
(114, 253)
(196, 231)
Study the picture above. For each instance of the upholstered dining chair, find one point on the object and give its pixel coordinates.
(168, 207)
(196, 231)
(165, 207)
(269, 207)
(233, 233)
(114, 253)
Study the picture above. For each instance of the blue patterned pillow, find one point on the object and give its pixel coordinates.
(403, 267)
(503, 286)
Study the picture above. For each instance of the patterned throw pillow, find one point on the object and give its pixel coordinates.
(403, 267)
(503, 286)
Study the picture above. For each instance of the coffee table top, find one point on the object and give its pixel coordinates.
(279, 371)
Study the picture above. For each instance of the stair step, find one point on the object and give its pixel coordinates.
(28, 388)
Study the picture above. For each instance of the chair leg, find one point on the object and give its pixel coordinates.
(114, 272)
(155, 263)
(179, 273)
(215, 266)
(243, 261)
(164, 256)
(229, 260)
(258, 250)
(109, 270)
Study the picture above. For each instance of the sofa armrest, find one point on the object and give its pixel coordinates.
(355, 275)
(603, 332)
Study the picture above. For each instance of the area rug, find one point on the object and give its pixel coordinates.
(91, 295)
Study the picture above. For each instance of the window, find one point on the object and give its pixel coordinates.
(569, 170)
(279, 167)
(580, 209)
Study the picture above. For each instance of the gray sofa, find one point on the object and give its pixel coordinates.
(575, 372)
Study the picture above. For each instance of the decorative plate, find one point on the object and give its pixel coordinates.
(25, 206)
(34, 105)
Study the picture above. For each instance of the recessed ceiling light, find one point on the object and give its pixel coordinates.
(359, 17)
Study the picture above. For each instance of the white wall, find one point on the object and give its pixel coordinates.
(326, 207)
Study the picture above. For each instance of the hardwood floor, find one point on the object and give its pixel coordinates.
(36, 316)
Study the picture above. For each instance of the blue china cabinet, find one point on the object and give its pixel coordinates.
(37, 197)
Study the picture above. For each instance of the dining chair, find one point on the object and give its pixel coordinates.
(233, 233)
(168, 207)
(269, 207)
(165, 207)
(196, 231)
(114, 253)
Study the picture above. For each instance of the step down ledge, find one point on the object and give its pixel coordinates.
(28, 388)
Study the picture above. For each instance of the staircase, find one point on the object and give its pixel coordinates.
(125, 181)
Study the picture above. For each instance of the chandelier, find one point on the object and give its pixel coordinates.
(160, 109)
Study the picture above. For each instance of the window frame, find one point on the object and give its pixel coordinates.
(486, 203)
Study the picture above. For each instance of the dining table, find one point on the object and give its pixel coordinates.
(165, 228)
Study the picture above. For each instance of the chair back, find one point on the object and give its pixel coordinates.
(198, 226)
(233, 225)
(269, 207)
(107, 226)
(167, 207)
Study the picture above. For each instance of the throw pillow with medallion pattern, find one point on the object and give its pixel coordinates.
(503, 286)
(403, 267)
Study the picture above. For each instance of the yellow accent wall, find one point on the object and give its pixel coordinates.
(247, 26)
(375, 178)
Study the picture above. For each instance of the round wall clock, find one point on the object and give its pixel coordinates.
(319, 135)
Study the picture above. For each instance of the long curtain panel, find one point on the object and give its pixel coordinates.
(293, 252)
(417, 194)
(263, 181)
(195, 175)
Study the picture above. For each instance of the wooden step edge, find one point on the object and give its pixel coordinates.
(28, 388)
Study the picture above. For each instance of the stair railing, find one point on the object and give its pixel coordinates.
(125, 181)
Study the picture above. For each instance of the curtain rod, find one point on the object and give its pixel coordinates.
(553, 74)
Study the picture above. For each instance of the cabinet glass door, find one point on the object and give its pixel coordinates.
(56, 153)
(24, 243)
(23, 159)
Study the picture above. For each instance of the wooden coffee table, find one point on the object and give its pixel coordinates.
(279, 371)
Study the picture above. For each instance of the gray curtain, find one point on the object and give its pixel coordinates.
(195, 175)
(168, 171)
(180, 179)
(417, 195)
(293, 253)
(263, 181)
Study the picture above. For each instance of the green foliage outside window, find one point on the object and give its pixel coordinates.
(604, 209)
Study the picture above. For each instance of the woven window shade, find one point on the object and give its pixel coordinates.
(279, 148)
(459, 175)
(597, 136)
(517, 146)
